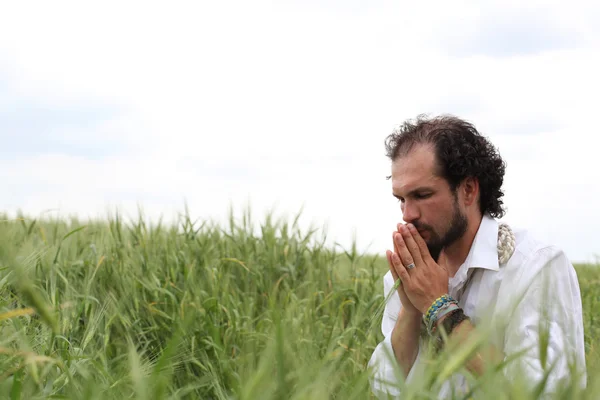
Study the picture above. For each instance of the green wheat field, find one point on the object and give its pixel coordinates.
(119, 309)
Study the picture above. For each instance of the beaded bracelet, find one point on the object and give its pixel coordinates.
(439, 314)
(430, 316)
(440, 301)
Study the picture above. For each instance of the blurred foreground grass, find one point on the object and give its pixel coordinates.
(118, 310)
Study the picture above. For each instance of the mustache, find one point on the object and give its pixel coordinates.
(421, 227)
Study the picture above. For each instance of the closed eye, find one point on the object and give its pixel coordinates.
(417, 196)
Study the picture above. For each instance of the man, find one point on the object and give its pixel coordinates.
(453, 277)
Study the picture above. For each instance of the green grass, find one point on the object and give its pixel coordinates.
(115, 309)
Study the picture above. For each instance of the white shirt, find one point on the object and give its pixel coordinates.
(511, 295)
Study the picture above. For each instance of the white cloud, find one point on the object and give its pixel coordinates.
(289, 103)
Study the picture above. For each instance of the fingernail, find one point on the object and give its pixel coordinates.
(395, 258)
(403, 228)
(411, 227)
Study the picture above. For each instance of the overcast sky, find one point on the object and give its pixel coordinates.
(288, 104)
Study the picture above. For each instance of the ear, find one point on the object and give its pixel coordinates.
(470, 191)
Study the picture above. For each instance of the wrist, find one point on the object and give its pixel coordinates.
(411, 313)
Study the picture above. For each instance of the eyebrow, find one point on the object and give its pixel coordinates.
(415, 191)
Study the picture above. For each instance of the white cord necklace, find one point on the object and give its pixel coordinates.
(506, 243)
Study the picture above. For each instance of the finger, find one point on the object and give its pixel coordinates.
(396, 249)
(388, 254)
(420, 242)
(400, 269)
(411, 246)
(405, 257)
(394, 240)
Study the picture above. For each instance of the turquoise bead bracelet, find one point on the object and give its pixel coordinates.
(432, 313)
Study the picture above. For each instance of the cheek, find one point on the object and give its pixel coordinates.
(439, 215)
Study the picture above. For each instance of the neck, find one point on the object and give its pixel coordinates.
(455, 255)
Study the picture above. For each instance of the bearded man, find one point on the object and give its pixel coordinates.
(455, 266)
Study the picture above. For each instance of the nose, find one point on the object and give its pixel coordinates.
(410, 211)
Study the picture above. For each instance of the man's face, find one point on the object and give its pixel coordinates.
(426, 199)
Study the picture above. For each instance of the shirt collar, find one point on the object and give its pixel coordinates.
(484, 250)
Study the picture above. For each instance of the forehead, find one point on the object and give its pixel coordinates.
(415, 169)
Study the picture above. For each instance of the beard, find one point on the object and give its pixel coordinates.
(436, 242)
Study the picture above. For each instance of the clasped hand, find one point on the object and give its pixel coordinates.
(421, 285)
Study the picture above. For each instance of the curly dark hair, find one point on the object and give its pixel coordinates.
(461, 152)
